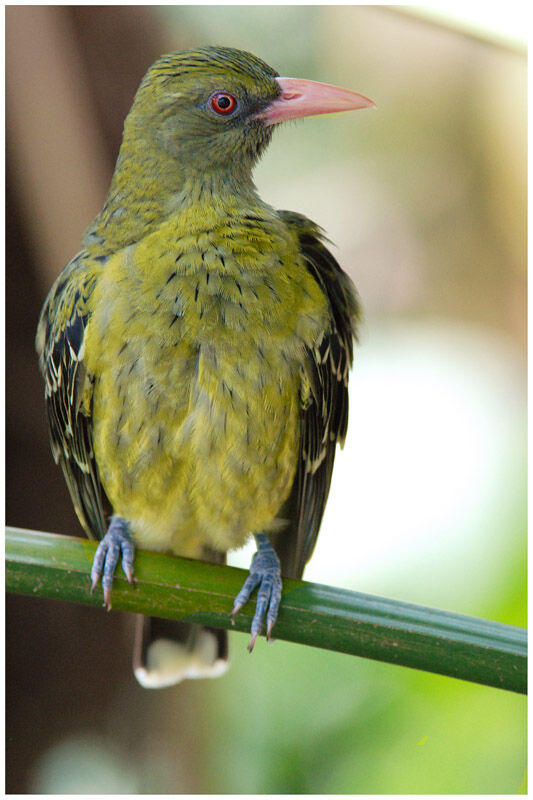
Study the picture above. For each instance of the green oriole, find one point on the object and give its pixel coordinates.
(196, 350)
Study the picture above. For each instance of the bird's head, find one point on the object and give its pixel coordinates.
(215, 107)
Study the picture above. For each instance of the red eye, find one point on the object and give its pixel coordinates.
(222, 103)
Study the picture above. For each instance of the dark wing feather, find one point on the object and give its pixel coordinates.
(324, 414)
(68, 392)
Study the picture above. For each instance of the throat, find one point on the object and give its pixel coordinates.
(146, 191)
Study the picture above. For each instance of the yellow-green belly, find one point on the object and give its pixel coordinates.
(197, 449)
(196, 399)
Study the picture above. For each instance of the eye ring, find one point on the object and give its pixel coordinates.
(222, 103)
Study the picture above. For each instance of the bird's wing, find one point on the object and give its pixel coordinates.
(324, 412)
(69, 389)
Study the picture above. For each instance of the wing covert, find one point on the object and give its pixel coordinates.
(68, 391)
(324, 410)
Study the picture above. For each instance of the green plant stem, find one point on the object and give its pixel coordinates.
(490, 653)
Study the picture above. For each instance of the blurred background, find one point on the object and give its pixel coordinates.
(425, 200)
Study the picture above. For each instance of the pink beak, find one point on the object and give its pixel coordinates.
(301, 98)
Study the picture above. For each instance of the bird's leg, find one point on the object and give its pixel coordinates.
(116, 541)
(265, 572)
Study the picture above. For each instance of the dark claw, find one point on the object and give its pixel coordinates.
(265, 572)
(244, 595)
(116, 541)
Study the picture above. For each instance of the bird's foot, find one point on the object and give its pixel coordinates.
(265, 572)
(116, 541)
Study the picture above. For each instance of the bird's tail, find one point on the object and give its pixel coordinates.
(167, 651)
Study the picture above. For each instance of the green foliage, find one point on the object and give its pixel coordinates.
(350, 726)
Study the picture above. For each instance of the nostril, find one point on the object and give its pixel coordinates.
(288, 95)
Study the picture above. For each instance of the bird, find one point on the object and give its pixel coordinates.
(196, 351)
